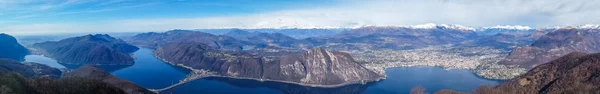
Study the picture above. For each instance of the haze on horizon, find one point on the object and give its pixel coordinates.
(35, 17)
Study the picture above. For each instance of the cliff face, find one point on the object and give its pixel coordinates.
(94, 73)
(90, 49)
(554, 45)
(11, 49)
(317, 67)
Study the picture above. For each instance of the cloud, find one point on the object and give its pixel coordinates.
(350, 13)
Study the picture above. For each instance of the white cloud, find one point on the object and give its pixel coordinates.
(349, 13)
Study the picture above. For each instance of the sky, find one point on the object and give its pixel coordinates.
(42, 17)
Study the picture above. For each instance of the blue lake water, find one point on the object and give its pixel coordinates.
(399, 81)
(149, 72)
(43, 60)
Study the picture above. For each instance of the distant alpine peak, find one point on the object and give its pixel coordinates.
(515, 27)
(446, 26)
(589, 26)
(585, 26)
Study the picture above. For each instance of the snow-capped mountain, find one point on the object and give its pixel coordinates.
(441, 26)
(589, 26)
(504, 29)
(585, 26)
(515, 27)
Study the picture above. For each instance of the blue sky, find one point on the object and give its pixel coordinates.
(64, 11)
(34, 17)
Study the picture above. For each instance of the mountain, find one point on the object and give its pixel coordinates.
(11, 49)
(299, 33)
(91, 72)
(89, 49)
(574, 73)
(153, 40)
(510, 40)
(317, 67)
(240, 34)
(554, 45)
(29, 70)
(398, 37)
(33, 78)
(504, 29)
(278, 40)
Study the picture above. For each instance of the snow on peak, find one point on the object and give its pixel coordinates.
(589, 26)
(447, 26)
(425, 26)
(517, 27)
(585, 26)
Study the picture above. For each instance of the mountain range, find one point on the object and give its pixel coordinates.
(89, 49)
(554, 45)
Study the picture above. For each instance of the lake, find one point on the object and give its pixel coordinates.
(399, 81)
(149, 72)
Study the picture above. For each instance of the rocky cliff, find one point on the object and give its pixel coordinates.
(11, 49)
(89, 49)
(317, 67)
(554, 45)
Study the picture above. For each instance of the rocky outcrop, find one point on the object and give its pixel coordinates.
(11, 49)
(317, 67)
(29, 70)
(91, 72)
(554, 45)
(89, 49)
